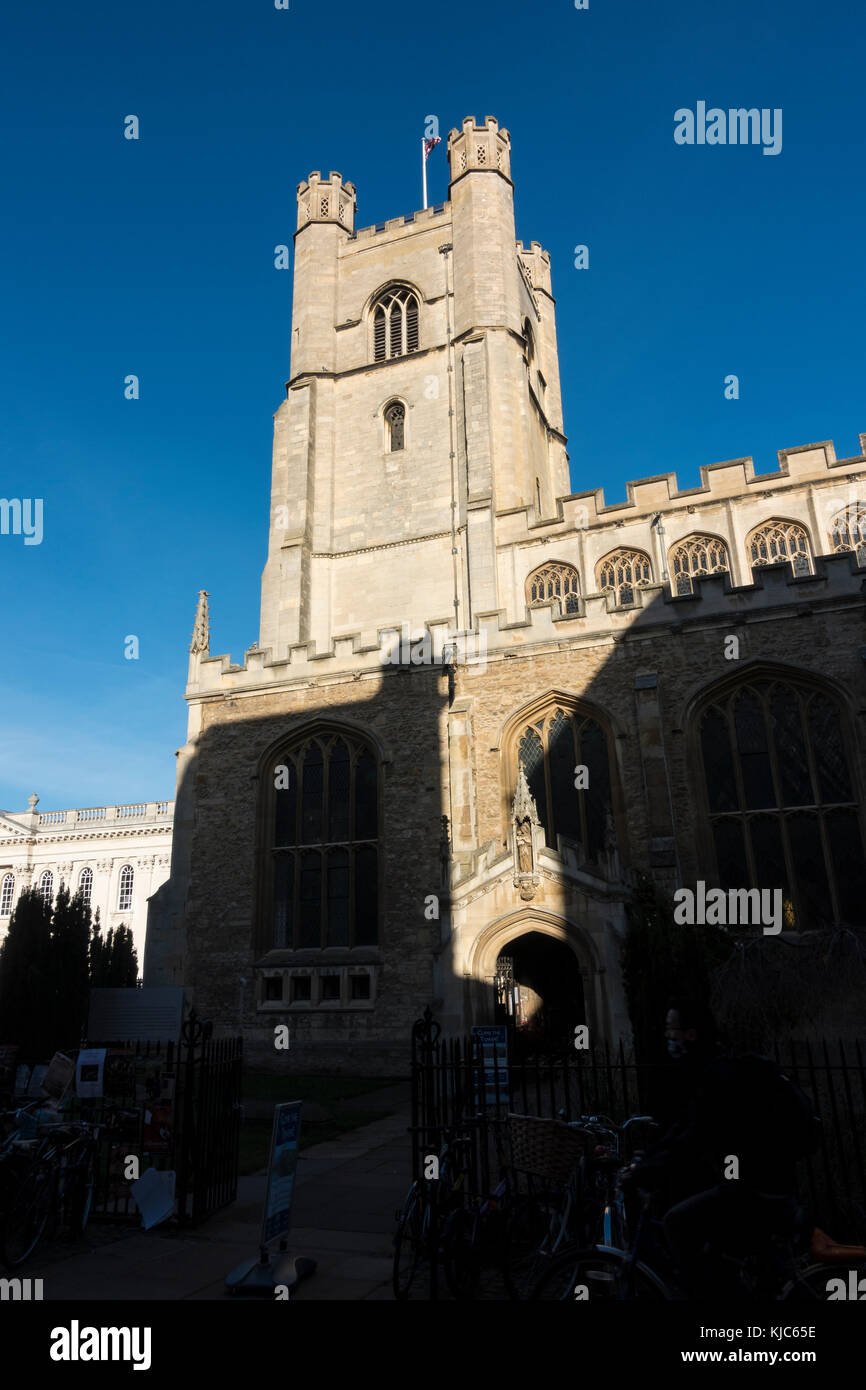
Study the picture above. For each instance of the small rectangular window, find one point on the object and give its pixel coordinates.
(301, 989)
(360, 986)
(330, 987)
(273, 988)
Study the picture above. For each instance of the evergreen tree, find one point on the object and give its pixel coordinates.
(26, 994)
(68, 969)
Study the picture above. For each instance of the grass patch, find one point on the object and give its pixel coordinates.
(321, 1089)
(255, 1138)
(333, 1115)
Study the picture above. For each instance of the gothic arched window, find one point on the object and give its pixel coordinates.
(554, 581)
(622, 572)
(7, 892)
(323, 844)
(775, 541)
(395, 324)
(46, 886)
(848, 531)
(782, 799)
(85, 884)
(528, 343)
(124, 895)
(566, 759)
(693, 556)
(395, 427)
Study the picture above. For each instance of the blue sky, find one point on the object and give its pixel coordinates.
(155, 257)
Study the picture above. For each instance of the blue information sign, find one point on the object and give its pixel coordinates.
(281, 1171)
(492, 1042)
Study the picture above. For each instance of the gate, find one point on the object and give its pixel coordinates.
(174, 1105)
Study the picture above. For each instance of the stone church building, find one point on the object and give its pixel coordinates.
(479, 703)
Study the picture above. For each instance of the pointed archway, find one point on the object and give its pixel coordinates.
(539, 990)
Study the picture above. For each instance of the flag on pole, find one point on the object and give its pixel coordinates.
(428, 143)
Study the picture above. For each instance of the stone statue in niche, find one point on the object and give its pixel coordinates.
(526, 828)
(524, 847)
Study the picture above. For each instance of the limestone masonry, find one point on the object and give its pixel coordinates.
(353, 839)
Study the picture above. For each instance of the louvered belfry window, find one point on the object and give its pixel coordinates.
(395, 324)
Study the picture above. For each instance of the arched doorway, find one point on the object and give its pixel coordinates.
(539, 991)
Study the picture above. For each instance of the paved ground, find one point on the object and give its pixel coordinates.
(346, 1194)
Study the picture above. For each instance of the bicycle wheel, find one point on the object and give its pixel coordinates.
(528, 1226)
(411, 1273)
(28, 1213)
(810, 1285)
(578, 1275)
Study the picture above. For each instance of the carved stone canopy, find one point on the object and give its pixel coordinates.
(525, 832)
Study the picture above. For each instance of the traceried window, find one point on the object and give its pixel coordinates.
(622, 572)
(46, 886)
(694, 556)
(780, 540)
(124, 895)
(7, 891)
(395, 324)
(528, 343)
(395, 427)
(85, 884)
(324, 833)
(554, 581)
(848, 531)
(782, 799)
(552, 750)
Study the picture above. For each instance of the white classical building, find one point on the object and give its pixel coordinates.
(117, 855)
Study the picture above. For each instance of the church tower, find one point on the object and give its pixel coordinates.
(423, 398)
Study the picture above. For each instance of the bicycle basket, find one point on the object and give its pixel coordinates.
(545, 1148)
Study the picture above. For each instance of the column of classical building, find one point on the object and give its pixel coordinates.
(117, 856)
(480, 704)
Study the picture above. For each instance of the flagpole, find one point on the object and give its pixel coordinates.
(424, 170)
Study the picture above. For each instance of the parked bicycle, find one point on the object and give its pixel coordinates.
(779, 1271)
(48, 1173)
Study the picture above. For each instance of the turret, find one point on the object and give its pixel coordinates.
(482, 201)
(326, 214)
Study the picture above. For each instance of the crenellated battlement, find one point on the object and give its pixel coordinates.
(479, 149)
(836, 578)
(330, 200)
(536, 262)
(720, 482)
(408, 221)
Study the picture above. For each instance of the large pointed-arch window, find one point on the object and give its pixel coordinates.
(776, 541)
(323, 844)
(622, 572)
(395, 324)
(555, 581)
(782, 798)
(848, 531)
(566, 759)
(693, 556)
